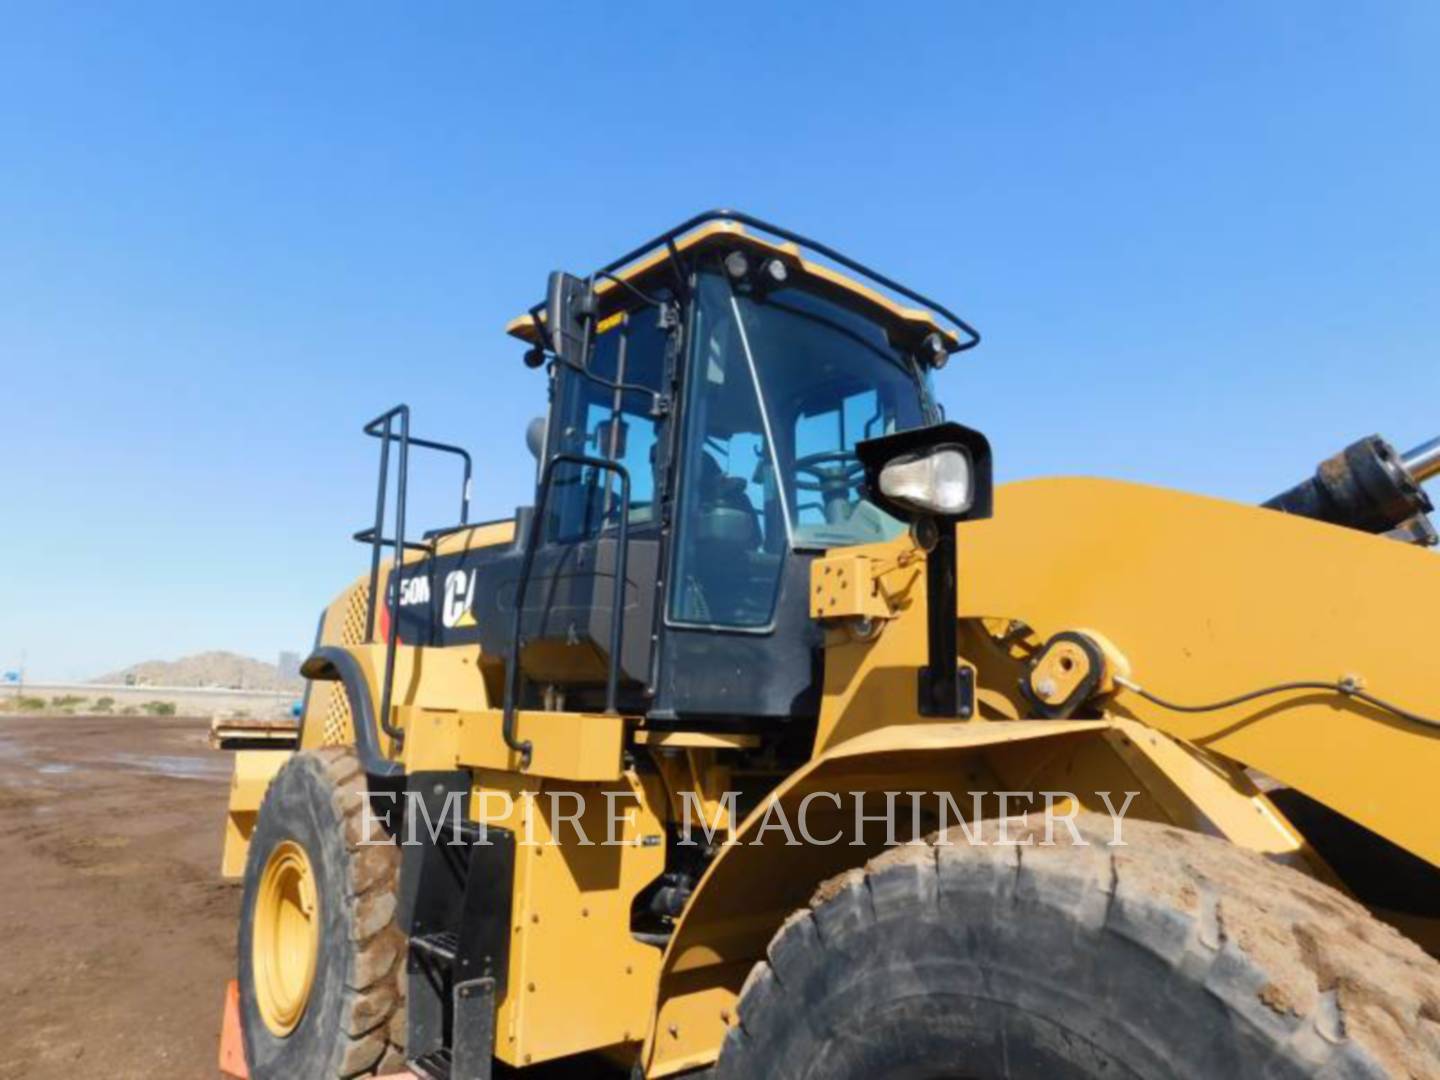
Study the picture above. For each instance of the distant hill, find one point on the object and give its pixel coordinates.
(225, 669)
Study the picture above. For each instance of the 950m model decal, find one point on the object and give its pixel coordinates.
(437, 600)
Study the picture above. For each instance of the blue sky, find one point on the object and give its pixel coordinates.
(1200, 241)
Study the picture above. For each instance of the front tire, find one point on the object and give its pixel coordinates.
(322, 965)
(1177, 955)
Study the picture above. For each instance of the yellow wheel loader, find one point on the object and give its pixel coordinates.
(772, 741)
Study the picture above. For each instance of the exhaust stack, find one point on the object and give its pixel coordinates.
(1371, 487)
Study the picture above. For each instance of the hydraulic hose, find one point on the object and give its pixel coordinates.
(1347, 687)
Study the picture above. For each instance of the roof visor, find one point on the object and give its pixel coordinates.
(938, 329)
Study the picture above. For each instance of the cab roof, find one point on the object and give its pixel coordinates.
(728, 229)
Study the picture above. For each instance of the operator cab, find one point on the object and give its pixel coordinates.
(728, 375)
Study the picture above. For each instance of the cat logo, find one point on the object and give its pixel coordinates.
(459, 595)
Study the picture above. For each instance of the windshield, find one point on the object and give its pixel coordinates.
(782, 388)
(828, 378)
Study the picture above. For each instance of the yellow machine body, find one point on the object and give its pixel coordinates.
(1192, 598)
(1204, 598)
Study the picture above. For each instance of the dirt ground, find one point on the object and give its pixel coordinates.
(116, 933)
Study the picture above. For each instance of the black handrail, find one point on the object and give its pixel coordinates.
(667, 239)
(403, 412)
(379, 526)
(374, 428)
(383, 428)
(380, 428)
(367, 536)
(617, 609)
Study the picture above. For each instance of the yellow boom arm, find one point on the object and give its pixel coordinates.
(1210, 599)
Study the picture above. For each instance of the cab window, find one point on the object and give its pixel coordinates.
(782, 386)
(732, 529)
(597, 420)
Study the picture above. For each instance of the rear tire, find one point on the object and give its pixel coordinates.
(1175, 955)
(353, 1018)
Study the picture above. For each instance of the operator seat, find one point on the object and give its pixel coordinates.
(726, 516)
(726, 581)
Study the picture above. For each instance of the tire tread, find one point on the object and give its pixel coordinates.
(1306, 981)
(372, 1005)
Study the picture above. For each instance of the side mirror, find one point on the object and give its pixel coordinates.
(569, 305)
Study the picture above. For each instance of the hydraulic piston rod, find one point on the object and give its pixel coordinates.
(1423, 462)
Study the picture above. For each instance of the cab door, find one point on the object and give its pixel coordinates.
(572, 588)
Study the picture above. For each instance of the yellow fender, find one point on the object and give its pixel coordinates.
(750, 888)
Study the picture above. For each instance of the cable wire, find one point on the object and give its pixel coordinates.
(1346, 687)
(630, 287)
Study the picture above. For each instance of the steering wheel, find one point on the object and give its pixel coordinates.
(834, 472)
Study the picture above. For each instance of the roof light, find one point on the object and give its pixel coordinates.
(737, 265)
(939, 355)
(775, 271)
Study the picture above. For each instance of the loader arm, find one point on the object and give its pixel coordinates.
(1210, 599)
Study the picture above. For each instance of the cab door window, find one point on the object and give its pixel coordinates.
(732, 529)
(597, 420)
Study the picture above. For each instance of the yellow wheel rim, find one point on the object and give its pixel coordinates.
(286, 941)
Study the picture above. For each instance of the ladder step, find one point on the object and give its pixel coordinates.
(433, 1066)
(439, 948)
